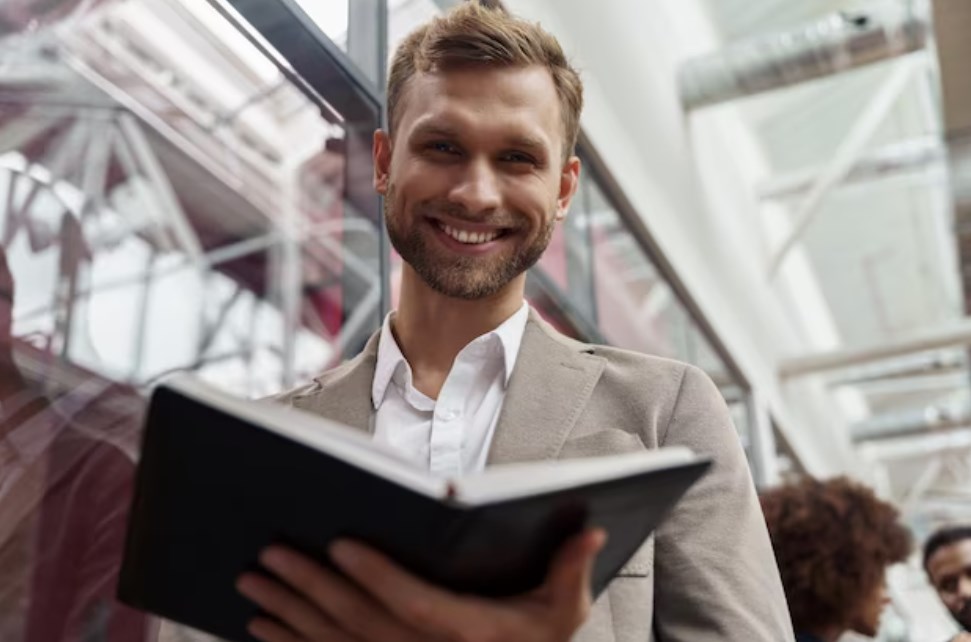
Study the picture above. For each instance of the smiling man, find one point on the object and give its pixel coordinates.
(947, 560)
(477, 168)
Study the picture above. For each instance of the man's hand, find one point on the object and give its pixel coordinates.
(383, 603)
(962, 637)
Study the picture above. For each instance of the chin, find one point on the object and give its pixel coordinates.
(869, 631)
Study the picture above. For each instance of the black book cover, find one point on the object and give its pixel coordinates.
(214, 488)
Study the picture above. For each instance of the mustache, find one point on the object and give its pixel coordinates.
(438, 208)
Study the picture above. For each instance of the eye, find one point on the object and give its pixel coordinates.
(518, 157)
(442, 147)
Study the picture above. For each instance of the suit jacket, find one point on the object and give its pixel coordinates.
(708, 573)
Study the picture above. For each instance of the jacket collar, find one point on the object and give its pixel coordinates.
(550, 385)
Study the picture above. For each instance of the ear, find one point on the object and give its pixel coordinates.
(381, 154)
(569, 181)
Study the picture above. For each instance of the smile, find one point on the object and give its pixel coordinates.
(469, 238)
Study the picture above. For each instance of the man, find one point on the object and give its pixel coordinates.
(477, 168)
(947, 560)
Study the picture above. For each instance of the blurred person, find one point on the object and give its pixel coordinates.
(834, 541)
(947, 561)
(64, 497)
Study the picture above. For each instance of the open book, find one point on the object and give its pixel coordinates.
(221, 478)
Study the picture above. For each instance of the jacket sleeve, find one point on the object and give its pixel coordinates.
(716, 576)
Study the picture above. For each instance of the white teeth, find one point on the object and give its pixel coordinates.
(469, 238)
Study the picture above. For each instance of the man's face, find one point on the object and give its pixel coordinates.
(949, 569)
(475, 180)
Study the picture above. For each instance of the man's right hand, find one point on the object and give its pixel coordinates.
(962, 637)
(383, 603)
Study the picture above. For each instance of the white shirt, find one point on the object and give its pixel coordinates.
(451, 435)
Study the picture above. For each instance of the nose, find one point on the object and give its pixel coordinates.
(964, 586)
(477, 189)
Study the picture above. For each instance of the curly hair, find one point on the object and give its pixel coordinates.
(833, 541)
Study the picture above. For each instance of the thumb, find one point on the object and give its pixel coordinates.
(569, 577)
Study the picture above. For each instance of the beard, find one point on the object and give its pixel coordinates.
(963, 615)
(450, 274)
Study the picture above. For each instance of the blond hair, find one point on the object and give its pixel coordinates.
(471, 34)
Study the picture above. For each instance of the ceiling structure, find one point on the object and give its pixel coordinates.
(880, 238)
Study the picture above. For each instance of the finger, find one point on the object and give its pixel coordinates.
(350, 608)
(291, 609)
(425, 607)
(571, 571)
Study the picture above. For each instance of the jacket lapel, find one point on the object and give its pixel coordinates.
(553, 378)
(344, 394)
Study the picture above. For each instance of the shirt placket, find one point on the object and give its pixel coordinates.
(448, 420)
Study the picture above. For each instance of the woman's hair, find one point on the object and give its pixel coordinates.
(833, 541)
(481, 33)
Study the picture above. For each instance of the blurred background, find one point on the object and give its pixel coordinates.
(775, 191)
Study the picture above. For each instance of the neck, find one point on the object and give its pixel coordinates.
(432, 328)
(827, 634)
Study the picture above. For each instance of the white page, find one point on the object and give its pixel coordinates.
(513, 481)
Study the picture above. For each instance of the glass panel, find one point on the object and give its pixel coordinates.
(332, 16)
(637, 308)
(406, 15)
(169, 200)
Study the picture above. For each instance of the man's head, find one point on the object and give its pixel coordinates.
(477, 165)
(947, 560)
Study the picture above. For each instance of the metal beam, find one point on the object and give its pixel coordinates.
(917, 447)
(950, 336)
(837, 43)
(933, 418)
(846, 157)
(920, 155)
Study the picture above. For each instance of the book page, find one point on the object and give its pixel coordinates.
(513, 481)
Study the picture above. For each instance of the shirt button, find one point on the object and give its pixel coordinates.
(447, 414)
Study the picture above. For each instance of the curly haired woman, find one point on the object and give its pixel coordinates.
(833, 542)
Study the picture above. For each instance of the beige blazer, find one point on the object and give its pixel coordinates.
(708, 573)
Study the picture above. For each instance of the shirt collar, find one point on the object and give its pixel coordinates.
(390, 358)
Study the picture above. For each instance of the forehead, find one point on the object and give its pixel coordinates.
(489, 100)
(950, 559)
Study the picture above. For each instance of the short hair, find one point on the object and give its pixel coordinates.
(833, 541)
(485, 34)
(945, 537)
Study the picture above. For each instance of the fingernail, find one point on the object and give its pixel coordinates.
(601, 539)
(344, 553)
(244, 584)
(272, 558)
